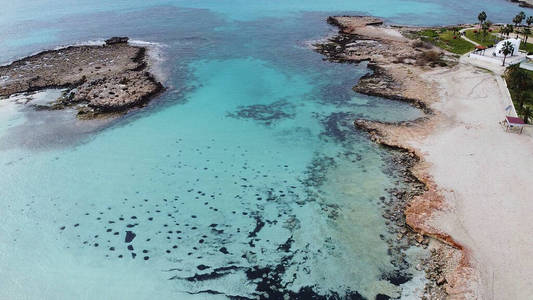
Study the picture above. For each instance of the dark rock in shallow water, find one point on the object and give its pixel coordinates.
(382, 297)
(129, 236)
(286, 247)
(265, 114)
(223, 250)
(216, 273)
(258, 226)
(117, 40)
(397, 277)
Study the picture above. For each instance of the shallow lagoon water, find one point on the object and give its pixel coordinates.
(245, 177)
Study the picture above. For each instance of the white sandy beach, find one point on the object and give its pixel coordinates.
(486, 176)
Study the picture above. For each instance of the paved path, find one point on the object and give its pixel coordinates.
(464, 36)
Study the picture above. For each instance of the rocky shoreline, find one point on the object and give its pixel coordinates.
(98, 80)
(523, 3)
(396, 64)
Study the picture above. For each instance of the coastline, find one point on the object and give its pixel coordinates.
(523, 3)
(100, 79)
(458, 264)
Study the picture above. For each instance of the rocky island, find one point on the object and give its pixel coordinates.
(102, 79)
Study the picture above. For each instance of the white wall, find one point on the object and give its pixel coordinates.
(516, 46)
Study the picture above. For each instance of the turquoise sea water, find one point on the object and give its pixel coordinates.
(245, 179)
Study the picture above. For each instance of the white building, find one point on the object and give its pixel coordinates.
(514, 42)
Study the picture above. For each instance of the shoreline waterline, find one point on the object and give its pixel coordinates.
(435, 212)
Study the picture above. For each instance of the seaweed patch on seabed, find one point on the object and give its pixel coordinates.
(339, 94)
(317, 171)
(338, 126)
(265, 114)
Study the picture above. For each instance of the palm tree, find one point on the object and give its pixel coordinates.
(507, 29)
(522, 16)
(503, 30)
(517, 20)
(482, 17)
(485, 28)
(529, 21)
(455, 30)
(507, 48)
(527, 32)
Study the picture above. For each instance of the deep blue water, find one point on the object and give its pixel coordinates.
(245, 176)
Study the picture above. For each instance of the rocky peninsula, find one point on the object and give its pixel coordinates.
(447, 203)
(99, 79)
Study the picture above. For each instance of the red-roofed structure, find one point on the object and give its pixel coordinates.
(513, 122)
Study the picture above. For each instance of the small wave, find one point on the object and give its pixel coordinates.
(145, 43)
(59, 47)
(155, 54)
(310, 44)
(156, 57)
(90, 43)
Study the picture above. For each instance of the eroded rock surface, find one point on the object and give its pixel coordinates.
(108, 78)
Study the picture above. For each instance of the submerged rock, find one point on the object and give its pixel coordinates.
(129, 236)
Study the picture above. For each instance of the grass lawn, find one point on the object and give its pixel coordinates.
(519, 82)
(488, 40)
(526, 47)
(444, 38)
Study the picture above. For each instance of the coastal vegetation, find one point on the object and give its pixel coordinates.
(486, 34)
(489, 35)
(486, 39)
(519, 84)
(447, 39)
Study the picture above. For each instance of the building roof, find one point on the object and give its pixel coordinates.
(514, 120)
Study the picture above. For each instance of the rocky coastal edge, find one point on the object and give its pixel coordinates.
(397, 63)
(523, 3)
(98, 80)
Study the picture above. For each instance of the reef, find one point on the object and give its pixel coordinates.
(98, 79)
